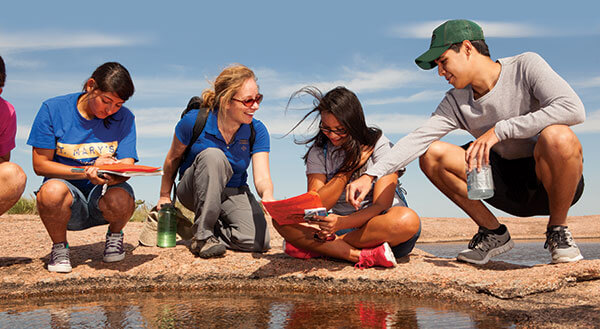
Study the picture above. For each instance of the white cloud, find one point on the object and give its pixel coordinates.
(156, 121)
(490, 29)
(355, 80)
(423, 96)
(23, 132)
(588, 83)
(46, 40)
(591, 123)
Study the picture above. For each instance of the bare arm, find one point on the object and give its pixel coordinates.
(44, 165)
(5, 157)
(383, 197)
(262, 176)
(170, 166)
(328, 192)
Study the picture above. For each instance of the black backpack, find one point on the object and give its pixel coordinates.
(196, 103)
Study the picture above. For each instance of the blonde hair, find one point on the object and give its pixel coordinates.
(226, 85)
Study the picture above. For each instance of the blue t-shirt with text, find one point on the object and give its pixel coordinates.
(77, 141)
(237, 152)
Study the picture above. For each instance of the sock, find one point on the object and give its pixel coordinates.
(500, 230)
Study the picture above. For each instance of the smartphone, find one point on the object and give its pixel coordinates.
(309, 214)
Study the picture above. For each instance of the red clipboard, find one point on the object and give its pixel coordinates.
(291, 211)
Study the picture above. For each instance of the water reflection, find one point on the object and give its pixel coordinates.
(242, 310)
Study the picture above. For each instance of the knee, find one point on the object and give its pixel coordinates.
(558, 141)
(404, 221)
(52, 195)
(432, 156)
(117, 202)
(13, 177)
(212, 157)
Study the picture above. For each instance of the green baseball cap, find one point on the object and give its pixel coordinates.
(444, 36)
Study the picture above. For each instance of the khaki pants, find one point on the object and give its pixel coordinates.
(231, 214)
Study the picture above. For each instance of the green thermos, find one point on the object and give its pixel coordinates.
(167, 226)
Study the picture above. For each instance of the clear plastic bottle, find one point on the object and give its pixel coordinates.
(480, 184)
(167, 226)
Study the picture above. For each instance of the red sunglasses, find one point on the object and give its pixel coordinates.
(251, 101)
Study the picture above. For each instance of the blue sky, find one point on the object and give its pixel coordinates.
(173, 49)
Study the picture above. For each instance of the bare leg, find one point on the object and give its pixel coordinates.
(559, 165)
(54, 206)
(117, 206)
(444, 165)
(12, 185)
(301, 236)
(398, 225)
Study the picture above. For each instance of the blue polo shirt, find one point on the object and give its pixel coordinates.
(238, 152)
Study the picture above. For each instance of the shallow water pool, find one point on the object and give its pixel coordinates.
(244, 310)
(527, 253)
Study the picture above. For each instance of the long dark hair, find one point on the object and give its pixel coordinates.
(113, 77)
(346, 108)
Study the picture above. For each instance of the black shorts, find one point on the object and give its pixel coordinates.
(518, 191)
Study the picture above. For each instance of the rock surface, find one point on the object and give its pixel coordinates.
(531, 296)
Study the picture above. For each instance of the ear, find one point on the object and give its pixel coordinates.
(468, 47)
(90, 84)
(1, 89)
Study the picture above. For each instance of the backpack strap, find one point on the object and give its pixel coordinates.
(196, 131)
(252, 137)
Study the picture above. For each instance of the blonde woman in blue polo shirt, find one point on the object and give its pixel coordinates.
(213, 174)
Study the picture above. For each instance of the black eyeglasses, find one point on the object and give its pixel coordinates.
(251, 101)
(339, 132)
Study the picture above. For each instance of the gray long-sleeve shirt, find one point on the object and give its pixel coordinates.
(527, 97)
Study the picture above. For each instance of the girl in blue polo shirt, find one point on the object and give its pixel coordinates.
(213, 174)
(85, 129)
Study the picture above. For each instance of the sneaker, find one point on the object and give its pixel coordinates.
(485, 245)
(59, 258)
(296, 252)
(378, 256)
(113, 248)
(561, 245)
(208, 248)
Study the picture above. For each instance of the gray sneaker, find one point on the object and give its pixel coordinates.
(485, 245)
(59, 258)
(561, 245)
(208, 248)
(113, 248)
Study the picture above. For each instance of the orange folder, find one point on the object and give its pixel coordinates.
(127, 170)
(291, 211)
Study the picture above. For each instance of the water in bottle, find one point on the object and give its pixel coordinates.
(167, 226)
(480, 184)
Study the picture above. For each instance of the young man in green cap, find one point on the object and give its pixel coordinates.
(519, 110)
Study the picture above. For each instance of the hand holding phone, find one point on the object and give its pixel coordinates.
(310, 214)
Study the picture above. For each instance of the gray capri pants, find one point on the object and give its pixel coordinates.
(231, 214)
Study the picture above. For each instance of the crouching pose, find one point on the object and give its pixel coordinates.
(382, 228)
(85, 129)
(12, 177)
(213, 168)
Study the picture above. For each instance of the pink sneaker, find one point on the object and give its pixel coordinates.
(378, 256)
(296, 252)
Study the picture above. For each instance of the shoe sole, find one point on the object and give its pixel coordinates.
(389, 254)
(567, 259)
(493, 253)
(214, 251)
(112, 259)
(59, 268)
